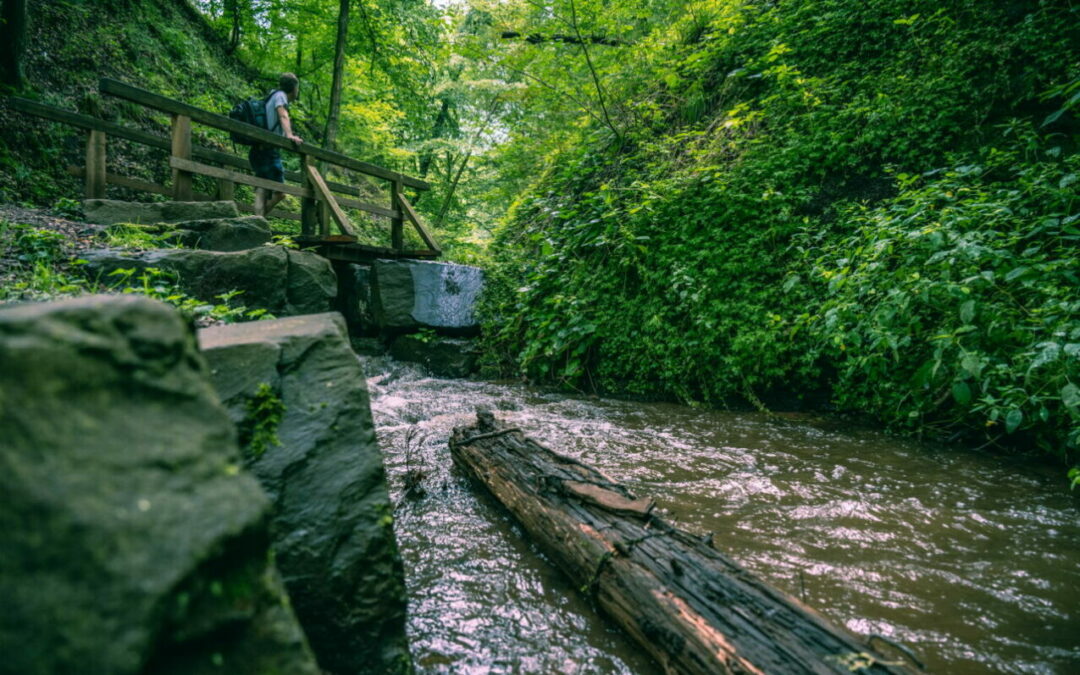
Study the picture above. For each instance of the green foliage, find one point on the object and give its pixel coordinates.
(163, 285)
(35, 245)
(134, 237)
(956, 305)
(763, 145)
(66, 207)
(258, 431)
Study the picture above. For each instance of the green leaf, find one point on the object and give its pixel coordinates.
(1070, 396)
(967, 311)
(1013, 420)
(961, 392)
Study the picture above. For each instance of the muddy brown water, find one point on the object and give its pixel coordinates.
(972, 561)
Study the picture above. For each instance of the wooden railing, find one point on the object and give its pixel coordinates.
(319, 206)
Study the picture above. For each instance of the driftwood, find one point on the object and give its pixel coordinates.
(692, 608)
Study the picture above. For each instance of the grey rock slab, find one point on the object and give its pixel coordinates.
(411, 294)
(133, 540)
(442, 356)
(282, 281)
(333, 523)
(112, 211)
(222, 234)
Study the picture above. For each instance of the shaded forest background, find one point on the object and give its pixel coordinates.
(869, 205)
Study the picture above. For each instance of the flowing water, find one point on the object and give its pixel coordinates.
(972, 561)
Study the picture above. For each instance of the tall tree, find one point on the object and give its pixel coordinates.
(330, 135)
(12, 47)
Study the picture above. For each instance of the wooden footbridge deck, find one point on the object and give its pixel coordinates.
(323, 203)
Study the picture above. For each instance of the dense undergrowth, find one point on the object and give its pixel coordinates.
(872, 200)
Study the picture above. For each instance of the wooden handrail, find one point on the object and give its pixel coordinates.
(203, 153)
(164, 104)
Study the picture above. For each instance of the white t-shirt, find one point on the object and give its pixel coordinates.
(278, 98)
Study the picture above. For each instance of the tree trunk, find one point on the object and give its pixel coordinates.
(12, 47)
(330, 136)
(692, 608)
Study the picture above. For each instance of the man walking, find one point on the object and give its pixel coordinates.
(266, 161)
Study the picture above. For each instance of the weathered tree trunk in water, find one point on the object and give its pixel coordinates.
(695, 610)
(330, 134)
(12, 47)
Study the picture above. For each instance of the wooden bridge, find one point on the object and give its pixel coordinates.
(322, 206)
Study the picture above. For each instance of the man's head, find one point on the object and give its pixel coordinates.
(290, 84)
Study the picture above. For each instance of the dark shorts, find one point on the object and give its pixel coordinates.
(266, 163)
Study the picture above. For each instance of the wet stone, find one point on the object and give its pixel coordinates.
(112, 211)
(333, 520)
(411, 294)
(133, 541)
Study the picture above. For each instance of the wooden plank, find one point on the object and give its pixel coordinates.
(693, 609)
(95, 165)
(370, 208)
(134, 183)
(158, 102)
(181, 149)
(216, 172)
(309, 211)
(226, 190)
(414, 218)
(397, 225)
(328, 200)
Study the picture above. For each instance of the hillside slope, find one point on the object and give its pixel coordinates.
(874, 202)
(164, 46)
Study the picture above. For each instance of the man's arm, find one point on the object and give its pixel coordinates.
(286, 124)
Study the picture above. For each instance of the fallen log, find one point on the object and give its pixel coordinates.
(692, 608)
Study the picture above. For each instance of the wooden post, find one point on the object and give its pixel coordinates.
(309, 215)
(181, 147)
(397, 225)
(95, 165)
(226, 190)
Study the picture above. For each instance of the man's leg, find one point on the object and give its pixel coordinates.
(274, 201)
(260, 201)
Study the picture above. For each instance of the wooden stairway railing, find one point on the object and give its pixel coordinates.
(319, 204)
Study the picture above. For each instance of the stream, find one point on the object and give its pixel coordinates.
(969, 559)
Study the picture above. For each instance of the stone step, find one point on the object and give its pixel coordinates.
(112, 211)
(221, 234)
(282, 281)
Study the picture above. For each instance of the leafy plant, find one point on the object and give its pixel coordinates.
(68, 208)
(35, 245)
(258, 431)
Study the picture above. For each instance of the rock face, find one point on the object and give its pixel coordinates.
(443, 356)
(354, 297)
(282, 281)
(132, 541)
(111, 211)
(222, 234)
(333, 538)
(411, 294)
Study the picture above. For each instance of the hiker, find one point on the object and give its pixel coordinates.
(265, 160)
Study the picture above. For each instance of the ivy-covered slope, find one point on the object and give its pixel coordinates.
(874, 201)
(164, 46)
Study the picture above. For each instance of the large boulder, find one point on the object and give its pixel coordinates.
(412, 294)
(442, 356)
(221, 234)
(133, 541)
(282, 281)
(333, 522)
(111, 211)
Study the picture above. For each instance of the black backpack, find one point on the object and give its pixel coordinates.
(251, 111)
